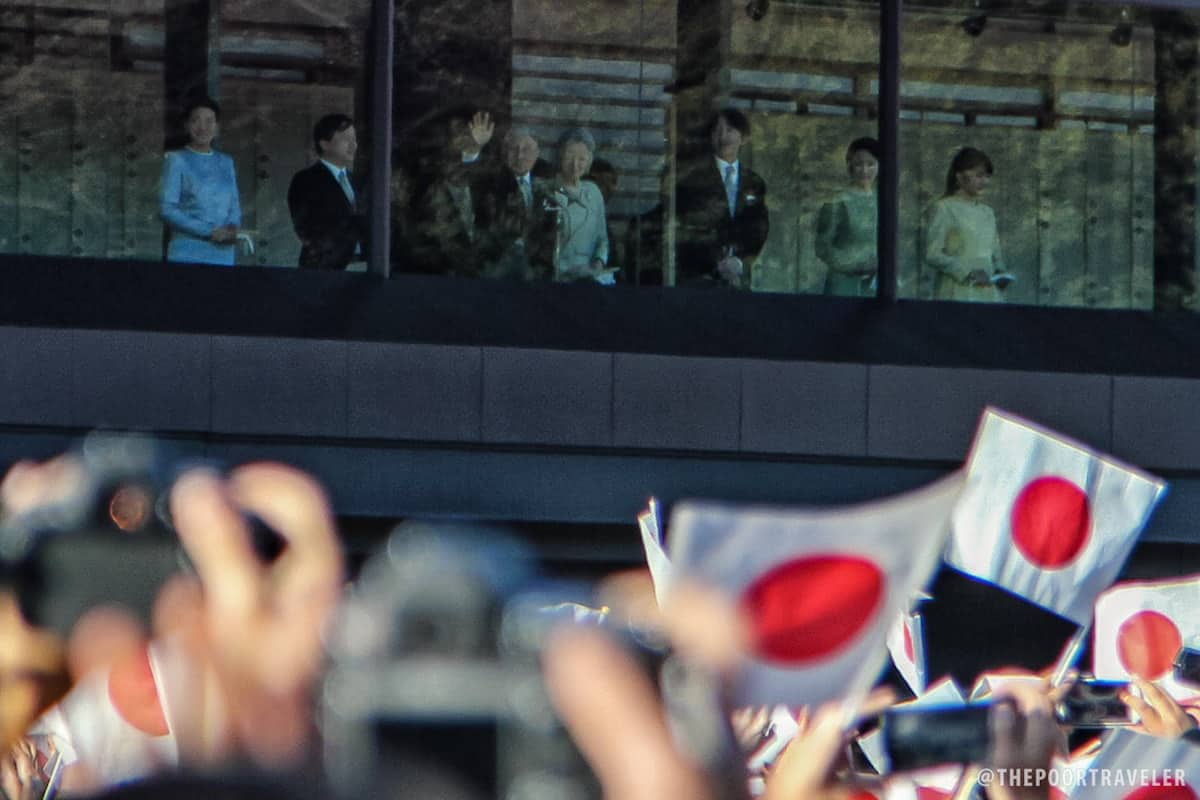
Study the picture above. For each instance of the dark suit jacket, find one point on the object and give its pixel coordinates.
(706, 231)
(503, 219)
(329, 227)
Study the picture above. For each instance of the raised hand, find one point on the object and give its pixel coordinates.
(481, 128)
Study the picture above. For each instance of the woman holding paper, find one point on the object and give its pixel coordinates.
(961, 241)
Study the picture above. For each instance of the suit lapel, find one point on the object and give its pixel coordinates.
(335, 187)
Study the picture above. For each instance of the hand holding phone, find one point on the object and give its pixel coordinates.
(1158, 713)
(1092, 703)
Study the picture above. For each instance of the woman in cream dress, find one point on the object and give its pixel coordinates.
(961, 241)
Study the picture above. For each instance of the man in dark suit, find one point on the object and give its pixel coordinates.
(512, 215)
(721, 207)
(325, 205)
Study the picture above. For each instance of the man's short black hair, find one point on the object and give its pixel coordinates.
(329, 126)
(734, 118)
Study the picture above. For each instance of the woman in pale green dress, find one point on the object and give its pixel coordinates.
(962, 244)
(846, 226)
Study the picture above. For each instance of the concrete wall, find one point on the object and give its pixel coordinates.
(508, 433)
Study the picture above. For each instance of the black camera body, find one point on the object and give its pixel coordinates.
(108, 538)
(105, 541)
(1187, 664)
(1092, 704)
(435, 673)
(915, 738)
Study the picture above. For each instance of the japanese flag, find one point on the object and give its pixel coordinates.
(1046, 517)
(1134, 766)
(650, 524)
(1139, 629)
(116, 721)
(906, 644)
(820, 587)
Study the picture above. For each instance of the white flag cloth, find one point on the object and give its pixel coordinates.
(87, 727)
(820, 587)
(650, 524)
(1139, 629)
(935, 783)
(906, 644)
(1134, 766)
(783, 728)
(1046, 517)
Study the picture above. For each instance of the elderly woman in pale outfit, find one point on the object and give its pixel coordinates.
(962, 243)
(199, 200)
(581, 251)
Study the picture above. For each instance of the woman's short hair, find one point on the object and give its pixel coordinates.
(580, 135)
(863, 143)
(201, 101)
(965, 159)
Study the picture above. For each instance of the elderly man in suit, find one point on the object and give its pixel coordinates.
(519, 229)
(326, 207)
(721, 207)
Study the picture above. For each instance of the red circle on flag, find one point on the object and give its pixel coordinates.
(1051, 521)
(1147, 644)
(812, 607)
(1162, 793)
(909, 651)
(133, 693)
(930, 793)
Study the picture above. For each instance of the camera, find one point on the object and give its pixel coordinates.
(435, 672)
(1092, 703)
(106, 539)
(915, 738)
(1187, 664)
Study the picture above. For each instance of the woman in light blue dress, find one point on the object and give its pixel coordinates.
(581, 251)
(199, 201)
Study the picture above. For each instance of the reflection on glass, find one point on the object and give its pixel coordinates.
(805, 74)
(539, 69)
(100, 157)
(689, 197)
(1058, 102)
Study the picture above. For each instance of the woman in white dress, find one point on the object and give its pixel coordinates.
(961, 241)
